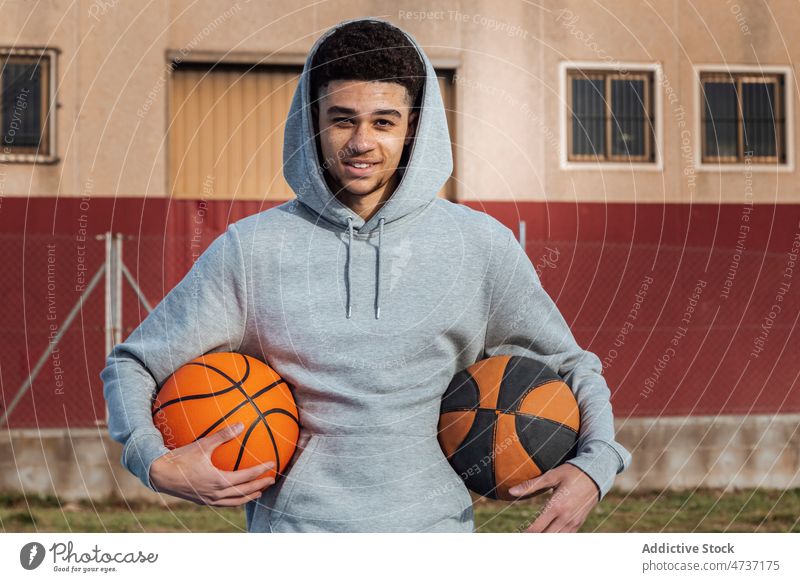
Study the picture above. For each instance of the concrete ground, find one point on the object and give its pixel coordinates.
(728, 452)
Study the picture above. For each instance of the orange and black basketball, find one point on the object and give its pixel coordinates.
(221, 389)
(507, 419)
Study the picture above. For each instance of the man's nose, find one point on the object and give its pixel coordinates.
(362, 139)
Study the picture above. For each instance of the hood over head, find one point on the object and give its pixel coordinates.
(430, 162)
(427, 169)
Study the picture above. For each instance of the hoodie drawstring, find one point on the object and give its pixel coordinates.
(378, 273)
(377, 269)
(349, 247)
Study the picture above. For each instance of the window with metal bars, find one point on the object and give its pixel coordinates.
(610, 116)
(24, 104)
(743, 118)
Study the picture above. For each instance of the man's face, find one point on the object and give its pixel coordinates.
(362, 122)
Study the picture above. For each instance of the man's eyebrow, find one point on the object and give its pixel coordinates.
(348, 111)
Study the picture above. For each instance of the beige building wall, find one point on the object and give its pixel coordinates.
(113, 85)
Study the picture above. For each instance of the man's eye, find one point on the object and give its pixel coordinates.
(343, 119)
(386, 121)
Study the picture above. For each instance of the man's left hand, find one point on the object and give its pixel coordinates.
(574, 496)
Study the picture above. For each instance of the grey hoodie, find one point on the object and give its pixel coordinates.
(368, 321)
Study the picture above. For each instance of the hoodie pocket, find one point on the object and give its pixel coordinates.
(292, 476)
(376, 483)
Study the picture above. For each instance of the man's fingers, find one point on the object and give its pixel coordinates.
(540, 483)
(235, 501)
(246, 488)
(559, 525)
(244, 475)
(541, 522)
(215, 439)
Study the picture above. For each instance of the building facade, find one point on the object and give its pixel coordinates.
(645, 154)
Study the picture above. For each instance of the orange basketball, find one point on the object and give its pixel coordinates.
(507, 419)
(221, 389)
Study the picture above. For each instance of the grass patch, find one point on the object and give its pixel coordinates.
(703, 510)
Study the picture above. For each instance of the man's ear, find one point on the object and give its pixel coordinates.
(412, 127)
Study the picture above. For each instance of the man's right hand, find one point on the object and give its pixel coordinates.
(187, 472)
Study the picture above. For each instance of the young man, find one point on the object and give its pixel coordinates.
(366, 293)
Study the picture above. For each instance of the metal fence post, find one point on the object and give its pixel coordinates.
(51, 346)
(114, 270)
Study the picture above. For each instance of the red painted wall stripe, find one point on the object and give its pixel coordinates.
(692, 308)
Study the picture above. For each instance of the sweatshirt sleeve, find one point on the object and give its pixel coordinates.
(524, 321)
(205, 312)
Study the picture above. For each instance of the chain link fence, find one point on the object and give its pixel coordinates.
(679, 330)
(54, 320)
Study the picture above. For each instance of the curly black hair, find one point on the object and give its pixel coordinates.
(368, 50)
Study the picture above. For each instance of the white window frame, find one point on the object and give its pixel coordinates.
(788, 104)
(657, 164)
(51, 156)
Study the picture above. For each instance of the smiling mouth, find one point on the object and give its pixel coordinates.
(359, 164)
(359, 168)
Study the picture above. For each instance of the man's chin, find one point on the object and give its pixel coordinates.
(358, 189)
